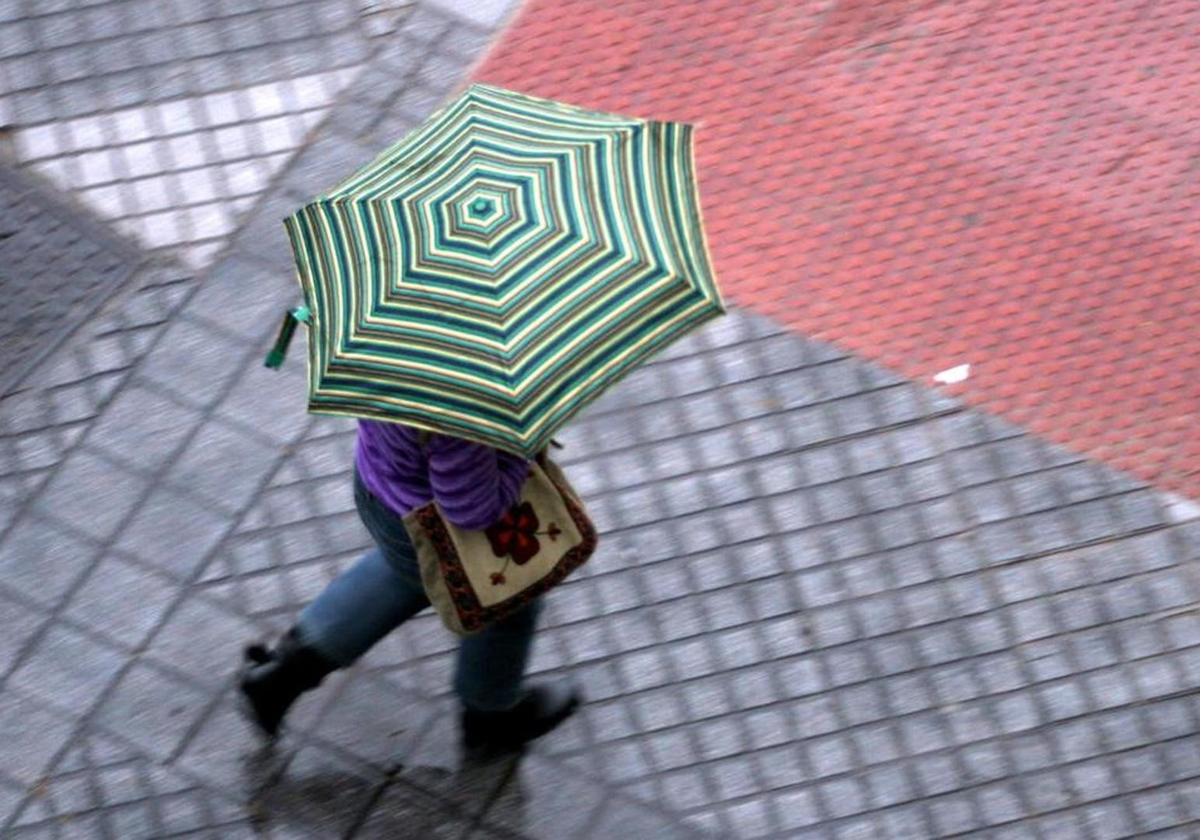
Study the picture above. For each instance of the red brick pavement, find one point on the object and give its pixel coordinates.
(1011, 185)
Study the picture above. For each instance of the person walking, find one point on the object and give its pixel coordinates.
(395, 472)
(491, 273)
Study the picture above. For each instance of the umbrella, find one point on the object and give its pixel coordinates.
(498, 268)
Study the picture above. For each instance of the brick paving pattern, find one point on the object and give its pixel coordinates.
(57, 270)
(932, 183)
(831, 603)
(169, 118)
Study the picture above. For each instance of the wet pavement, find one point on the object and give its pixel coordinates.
(59, 268)
(829, 602)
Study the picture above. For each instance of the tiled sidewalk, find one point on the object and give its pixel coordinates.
(830, 603)
(170, 118)
(63, 269)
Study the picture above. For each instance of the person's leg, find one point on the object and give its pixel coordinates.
(499, 711)
(361, 606)
(374, 596)
(491, 664)
(358, 608)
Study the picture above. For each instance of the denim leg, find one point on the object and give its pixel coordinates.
(383, 590)
(373, 597)
(491, 663)
(361, 606)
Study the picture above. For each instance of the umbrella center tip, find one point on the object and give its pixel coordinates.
(482, 206)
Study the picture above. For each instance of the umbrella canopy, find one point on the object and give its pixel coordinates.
(495, 270)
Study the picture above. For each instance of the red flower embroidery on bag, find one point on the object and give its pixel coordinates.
(515, 535)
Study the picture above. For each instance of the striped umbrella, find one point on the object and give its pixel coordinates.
(495, 270)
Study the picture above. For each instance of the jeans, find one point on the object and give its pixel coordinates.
(383, 589)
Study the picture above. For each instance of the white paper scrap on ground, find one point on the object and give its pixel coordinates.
(954, 375)
(1180, 509)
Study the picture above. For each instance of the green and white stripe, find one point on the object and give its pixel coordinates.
(494, 271)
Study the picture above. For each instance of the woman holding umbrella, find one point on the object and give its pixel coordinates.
(482, 281)
(473, 485)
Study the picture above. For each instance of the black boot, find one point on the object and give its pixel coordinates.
(271, 680)
(540, 710)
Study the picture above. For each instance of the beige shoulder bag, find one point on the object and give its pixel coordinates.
(474, 578)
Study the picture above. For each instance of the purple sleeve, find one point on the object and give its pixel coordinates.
(473, 484)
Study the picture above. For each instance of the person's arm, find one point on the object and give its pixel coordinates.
(473, 484)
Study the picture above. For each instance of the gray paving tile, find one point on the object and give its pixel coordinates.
(15, 490)
(1110, 820)
(228, 755)
(172, 533)
(404, 809)
(374, 719)
(18, 623)
(131, 794)
(295, 503)
(32, 736)
(38, 450)
(798, 809)
(261, 393)
(264, 240)
(174, 644)
(1155, 810)
(322, 456)
(621, 818)
(420, 99)
(68, 669)
(193, 363)
(334, 158)
(133, 820)
(11, 797)
(49, 241)
(90, 493)
(486, 13)
(432, 762)
(969, 723)
(142, 428)
(539, 801)
(41, 562)
(151, 709)
(203, 467)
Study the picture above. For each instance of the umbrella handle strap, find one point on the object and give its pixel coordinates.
(299, 315)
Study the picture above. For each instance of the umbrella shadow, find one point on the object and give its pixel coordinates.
(314, 794)
(464, 795)
(304, 790)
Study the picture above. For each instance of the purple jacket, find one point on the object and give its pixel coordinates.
(473, 484)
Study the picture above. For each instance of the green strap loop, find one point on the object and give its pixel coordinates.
(299, 315)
